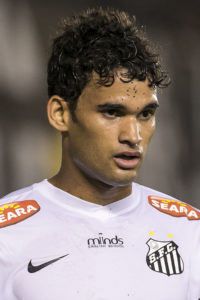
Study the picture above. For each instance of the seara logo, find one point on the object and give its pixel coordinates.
(15, 212)
(103, 242)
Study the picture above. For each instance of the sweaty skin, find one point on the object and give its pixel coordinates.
(110, 120)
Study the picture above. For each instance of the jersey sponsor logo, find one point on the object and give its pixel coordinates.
(33, 269)
(102, 242)
(163, 257)
(12, 213)
(174, 208)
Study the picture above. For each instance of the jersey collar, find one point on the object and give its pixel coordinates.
(81, 206)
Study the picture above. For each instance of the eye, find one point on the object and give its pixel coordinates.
(147, 114)
(111, 113)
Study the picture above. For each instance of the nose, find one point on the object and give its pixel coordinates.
(130, 132)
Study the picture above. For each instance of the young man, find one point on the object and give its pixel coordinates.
(90, 232)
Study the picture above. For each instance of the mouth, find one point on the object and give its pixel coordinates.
(127, 160)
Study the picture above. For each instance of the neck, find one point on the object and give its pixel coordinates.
(89, 189)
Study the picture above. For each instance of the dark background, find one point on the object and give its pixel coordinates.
(30, 148)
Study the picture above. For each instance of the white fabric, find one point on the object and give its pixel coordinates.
(114, 267)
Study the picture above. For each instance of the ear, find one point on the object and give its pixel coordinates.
(58, 113)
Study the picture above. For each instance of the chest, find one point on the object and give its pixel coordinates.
(101, 262)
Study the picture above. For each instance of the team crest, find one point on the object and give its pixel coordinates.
(163, 257)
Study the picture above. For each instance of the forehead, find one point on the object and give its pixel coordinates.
(126, 93)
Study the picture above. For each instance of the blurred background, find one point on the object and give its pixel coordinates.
(30, 149)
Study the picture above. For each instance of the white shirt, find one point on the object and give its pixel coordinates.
(56, 246)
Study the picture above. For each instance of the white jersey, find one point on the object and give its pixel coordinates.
(55, 246)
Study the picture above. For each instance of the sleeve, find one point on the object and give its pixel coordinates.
(194, 287)
(7, 267)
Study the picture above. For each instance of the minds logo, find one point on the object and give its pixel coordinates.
(103, 242)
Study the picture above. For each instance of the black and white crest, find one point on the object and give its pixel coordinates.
(163, 257)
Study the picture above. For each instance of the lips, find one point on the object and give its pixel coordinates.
(127, 159)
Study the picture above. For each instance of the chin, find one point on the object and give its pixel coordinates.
(121, 179)
(113, 176)
(124, 182)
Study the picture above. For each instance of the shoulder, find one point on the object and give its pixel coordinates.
(16, 195)
(19, 205)
(169, 205)
(150, 191)
(25, 193)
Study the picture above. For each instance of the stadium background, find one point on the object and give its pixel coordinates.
(30, 148)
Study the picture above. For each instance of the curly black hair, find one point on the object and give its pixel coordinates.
(102, 41)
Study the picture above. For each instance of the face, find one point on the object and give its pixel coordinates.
(113, 129)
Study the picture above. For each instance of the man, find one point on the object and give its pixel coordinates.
(90, 232)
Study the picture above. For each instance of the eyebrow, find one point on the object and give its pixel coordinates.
(111, 106)
(108, 105)
(151, 105)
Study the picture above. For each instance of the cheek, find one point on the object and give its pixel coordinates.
(91, 143)
(96, 130)
(152, 127)
(148, 131)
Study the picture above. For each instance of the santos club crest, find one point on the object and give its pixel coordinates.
(163, 257)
